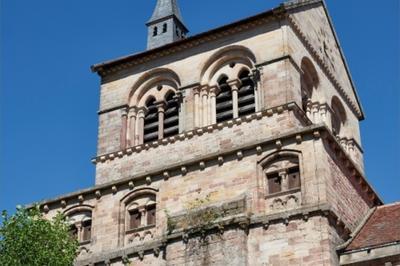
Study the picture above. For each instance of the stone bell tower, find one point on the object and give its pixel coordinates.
(165, 25)
(237, 146)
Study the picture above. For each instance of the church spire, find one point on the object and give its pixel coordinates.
(166, 24)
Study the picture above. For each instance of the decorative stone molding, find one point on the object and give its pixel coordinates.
(307, 43)
(243, 222)
(291, 107)
(182, 169)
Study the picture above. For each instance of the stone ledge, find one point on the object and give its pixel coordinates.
(371, 253)
(241, 221)
(297, 136)
(291, 107)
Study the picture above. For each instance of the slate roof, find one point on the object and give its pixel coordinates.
(382, 227)
(166, 8)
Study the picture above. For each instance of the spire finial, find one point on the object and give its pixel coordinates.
(166, 24)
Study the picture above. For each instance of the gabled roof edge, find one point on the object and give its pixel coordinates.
(362, 117)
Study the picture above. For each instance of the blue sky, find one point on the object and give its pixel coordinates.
(49, 98)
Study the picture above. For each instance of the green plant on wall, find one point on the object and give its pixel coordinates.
(28, 238)
(198, 216)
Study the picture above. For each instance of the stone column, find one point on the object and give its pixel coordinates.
(132, 126)
(285, 181)
(140, 126)
(235, 90)
(322, 112)
(213, 105)
(123, 135)
(308, 109)
(79, 233)
(196, 108)
(143, 220)
(204, 93)
(161, 113)
(315, 112)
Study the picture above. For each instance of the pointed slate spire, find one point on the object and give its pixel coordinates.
(166, 8)
(166, 24)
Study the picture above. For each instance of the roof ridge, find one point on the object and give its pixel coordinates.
(389, 205)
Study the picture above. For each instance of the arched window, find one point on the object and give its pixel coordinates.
(151, 122)
(171, 116)
(338, 115)
(165, 27)
(80, 225)
(246, 94)
(282, 174)
(309, 81)
(224, 106)
(155, 31)
(141, 212)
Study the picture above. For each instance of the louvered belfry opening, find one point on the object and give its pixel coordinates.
(224, 106)
(246, 95)
(171, 117)
(151, 122)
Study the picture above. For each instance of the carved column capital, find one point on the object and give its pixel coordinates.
(161, 106)
(235, 84)
(133, 111)
(124, 112)
(214, 90)
(142, 111)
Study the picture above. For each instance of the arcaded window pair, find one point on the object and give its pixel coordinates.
(162, 118)
(232, 103)
(81, 226)
(141, 212)
(282, 175)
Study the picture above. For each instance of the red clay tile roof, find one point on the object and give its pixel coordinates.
(382, 227)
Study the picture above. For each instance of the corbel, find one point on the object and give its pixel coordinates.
(98, 194)
(156, 252)
(81, 199)
(185, 237)
(259, 150)
(220, 160)
(316, 134)
(266, 225)
(202, 165)
(141, 255)
(184, 170)
(166, 175)
(278, 144)
(306, 216)
(148, 180)
(46, 208)
(239, 155)
(131, 185)
(299, 139)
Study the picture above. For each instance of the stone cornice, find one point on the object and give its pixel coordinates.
(213, 34)
(366, 255)
(291, 107)
(182, 168)
(113, 66)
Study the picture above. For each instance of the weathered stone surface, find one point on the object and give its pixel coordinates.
(219, 176)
